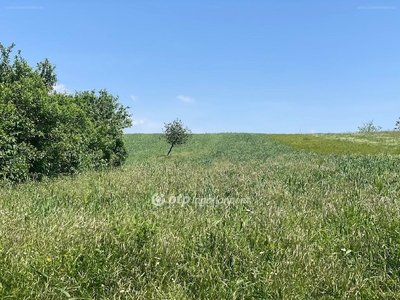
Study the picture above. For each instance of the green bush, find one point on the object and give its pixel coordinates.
(44, 133)
(369, 127)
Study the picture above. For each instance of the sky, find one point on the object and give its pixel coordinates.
(222, 66)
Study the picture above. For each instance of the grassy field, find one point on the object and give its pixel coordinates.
(227, 216)
(356, 143)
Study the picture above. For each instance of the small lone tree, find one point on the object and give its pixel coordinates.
(397, 125)
(176, 133)
(369, 127)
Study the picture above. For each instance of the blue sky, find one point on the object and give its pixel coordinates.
(223, 66)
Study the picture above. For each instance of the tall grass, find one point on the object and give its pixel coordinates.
(359, 143)
(263, 221)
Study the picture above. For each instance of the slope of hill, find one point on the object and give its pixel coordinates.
(226, 216)
(343, 143)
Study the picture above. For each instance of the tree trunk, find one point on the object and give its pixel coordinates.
(172, 145)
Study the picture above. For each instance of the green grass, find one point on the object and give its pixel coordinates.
(264, 221)
(360, 143)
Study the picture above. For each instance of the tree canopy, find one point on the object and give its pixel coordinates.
(176, 133)
(45, 133)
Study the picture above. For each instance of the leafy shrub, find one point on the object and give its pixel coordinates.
(369, 127)
(44, 133)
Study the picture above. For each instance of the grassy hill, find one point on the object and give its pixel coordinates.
(344, 143)
(226, 216)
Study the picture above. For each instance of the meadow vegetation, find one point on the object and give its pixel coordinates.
(44, 133)
(265, 220)
(344, 143)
